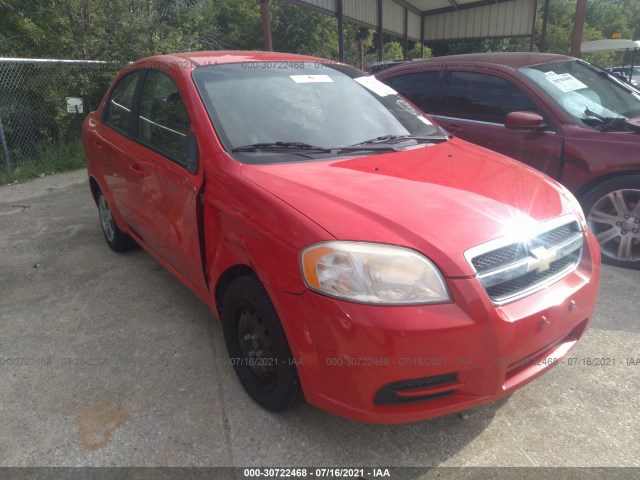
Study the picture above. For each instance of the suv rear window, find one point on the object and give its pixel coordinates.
(422, 89)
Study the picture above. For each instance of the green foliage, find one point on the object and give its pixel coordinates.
(124, 30)
(415, 51)
(391, 51)
(301, 31)
(53, 158)
(239, 24)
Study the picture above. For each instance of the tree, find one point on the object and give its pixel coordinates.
(415, 51)
(299, 30)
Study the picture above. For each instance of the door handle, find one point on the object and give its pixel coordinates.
(98, 144)
(454, 128)
(137, 169)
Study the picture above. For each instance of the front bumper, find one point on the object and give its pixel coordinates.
(384, 364)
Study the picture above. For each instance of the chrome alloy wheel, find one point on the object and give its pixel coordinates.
(615, 221)
(106, 219)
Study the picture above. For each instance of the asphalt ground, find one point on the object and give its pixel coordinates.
(107, 360)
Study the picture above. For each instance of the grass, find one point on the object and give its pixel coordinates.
(53, 158)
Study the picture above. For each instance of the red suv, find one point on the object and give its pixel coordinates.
(561, 115)
(355, 253)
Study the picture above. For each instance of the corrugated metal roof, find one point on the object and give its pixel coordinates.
(442, 19)
(506, 19)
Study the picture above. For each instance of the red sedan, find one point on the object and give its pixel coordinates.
(356, 254)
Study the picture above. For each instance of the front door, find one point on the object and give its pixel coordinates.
(475, 107)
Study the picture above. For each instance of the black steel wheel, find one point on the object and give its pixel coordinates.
(258, 346)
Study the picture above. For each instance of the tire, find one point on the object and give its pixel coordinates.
(613, 214)
(258, 347)
(116, 238)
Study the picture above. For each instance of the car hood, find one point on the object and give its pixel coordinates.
(440, 200)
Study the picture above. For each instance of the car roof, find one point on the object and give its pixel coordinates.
(504, 59)
(228, 56)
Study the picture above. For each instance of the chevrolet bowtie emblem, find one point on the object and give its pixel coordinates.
(542, 260)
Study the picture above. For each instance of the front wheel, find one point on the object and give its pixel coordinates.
(613, 214)
(257, 345)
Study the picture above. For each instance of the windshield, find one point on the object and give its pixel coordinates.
(587, 94)
(281, 111)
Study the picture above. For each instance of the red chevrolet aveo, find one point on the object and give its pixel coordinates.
(355, 253)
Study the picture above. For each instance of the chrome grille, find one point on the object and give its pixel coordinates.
(557, 235)
(511, 269)
(500, 257)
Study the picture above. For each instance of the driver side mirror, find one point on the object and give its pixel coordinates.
(524, 121)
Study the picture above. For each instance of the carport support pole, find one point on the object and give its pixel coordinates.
(266, 25)
(340, 15)
(380, 33)
(405, 43)
(578, 26)
(5, 150)
(533, 27)
(422, 36)
(545, 20)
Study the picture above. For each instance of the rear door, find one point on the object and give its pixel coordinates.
(111, 144)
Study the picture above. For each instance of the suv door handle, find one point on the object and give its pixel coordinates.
(453, 128)
(137, 169)
(98, 144)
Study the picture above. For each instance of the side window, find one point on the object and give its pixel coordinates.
(422, 89)
(484, 97)
(163, 122)
(121, 102)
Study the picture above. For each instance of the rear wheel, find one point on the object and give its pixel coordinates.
(116, 238)
(613, 214)
(257, 345)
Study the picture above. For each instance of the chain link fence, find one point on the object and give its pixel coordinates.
(43, 103)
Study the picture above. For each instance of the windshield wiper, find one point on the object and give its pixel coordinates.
(274, 146)
(614, 123)
(391, 139)
(607, 123)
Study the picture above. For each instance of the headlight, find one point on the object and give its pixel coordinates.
(372, 273)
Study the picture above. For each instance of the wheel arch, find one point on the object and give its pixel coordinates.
(95, 188)
(226, 278)
(595, 182)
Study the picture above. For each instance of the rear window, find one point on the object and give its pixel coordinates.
(121, 102)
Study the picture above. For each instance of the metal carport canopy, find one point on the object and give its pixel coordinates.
(433, 20)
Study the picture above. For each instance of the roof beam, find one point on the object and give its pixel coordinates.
(465, 6)
(408, 6)
(454, 4)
